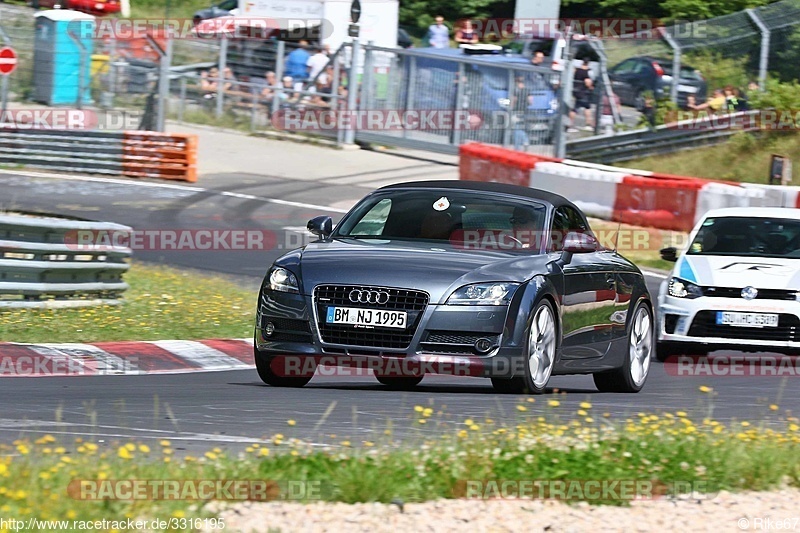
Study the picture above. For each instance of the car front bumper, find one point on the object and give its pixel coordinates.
(692, 321)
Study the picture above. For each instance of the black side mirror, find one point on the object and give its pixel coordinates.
(577, 243)
(669, 254)
(322, 226)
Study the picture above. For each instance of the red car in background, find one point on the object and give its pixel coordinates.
(93, 7)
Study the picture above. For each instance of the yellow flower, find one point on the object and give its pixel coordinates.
(167, 459)
(474, 427)
(462, 433)
(66, 459)
(427, 411)
(581, 412)
(211, 455)
(44, 475)
(745, 424)
(418, 408)
(23, 450)
(131, 447)
(60, 451)
(530, 400)
(164, 443)
(703, 388)
(178, 514)
(291, 422)
(345, 443)
(422, 421)
(553, 403)
(589, 419)
(144, 448)
(71, 514)
(522, 408)
(794, 427)
(773, 407)
(91, 446)
(263, 452)
(681, 413)
(124, 453)
(368, 444)
(468, 422)
(585, 405)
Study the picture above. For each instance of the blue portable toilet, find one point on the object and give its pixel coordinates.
(61, 37)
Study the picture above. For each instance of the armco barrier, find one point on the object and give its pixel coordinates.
(43, 262)
(136, 153)
(631, 196)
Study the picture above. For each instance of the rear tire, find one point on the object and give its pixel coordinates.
(268, 375)
(631, 376)
(395, 383)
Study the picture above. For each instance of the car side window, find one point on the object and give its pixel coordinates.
(625, 67)
(560, 228)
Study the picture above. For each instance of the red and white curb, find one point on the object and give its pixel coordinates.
(124, 358)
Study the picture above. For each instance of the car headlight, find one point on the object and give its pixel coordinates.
(282, 280)
(483, 294)
(683, 289)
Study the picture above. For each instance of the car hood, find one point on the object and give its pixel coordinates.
(437, 269)
(731, 271)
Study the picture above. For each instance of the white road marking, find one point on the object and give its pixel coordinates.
(172, 186)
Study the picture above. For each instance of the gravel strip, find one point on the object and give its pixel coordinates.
(722, 513)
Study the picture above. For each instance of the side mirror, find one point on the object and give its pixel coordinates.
(322, 226)
(579, 243)
(669, 254)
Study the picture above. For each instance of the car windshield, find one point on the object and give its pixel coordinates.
(749, 236)
(462, 218)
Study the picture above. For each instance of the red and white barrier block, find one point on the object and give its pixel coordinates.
(124, 358)
(631, 196)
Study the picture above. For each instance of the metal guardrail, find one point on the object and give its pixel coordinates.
(51, 262)
(128, 153)
(665, 139)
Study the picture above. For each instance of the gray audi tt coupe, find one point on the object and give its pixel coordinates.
(454, 277)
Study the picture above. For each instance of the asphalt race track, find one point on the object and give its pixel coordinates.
(233, 408)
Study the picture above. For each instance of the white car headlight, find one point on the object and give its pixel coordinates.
(483, 294)
(679, 288)
(282, 280)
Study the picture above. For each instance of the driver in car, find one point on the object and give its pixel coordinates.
(525, 228)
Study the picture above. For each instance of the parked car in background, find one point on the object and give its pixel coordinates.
(636, 75)
(736, 286)
(93, 7)
(404, 39)
(553, 45)
(222, 9)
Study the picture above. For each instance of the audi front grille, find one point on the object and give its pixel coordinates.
(378, 298)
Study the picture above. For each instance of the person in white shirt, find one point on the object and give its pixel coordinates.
(316, 63)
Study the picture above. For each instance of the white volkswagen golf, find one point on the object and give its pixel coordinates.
(736, 286)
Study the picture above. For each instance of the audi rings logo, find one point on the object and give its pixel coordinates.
(369, 297)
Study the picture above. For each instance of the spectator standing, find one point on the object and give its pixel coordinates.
(649, 110)
(582, 90)
(466, 34)
(297, 63)
(316, 63)
(439, 34)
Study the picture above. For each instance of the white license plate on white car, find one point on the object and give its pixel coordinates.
(750, 320)
(687, 89)
(366, 317)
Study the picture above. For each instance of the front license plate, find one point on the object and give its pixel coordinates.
(687, 89)
(366, 317)
(750, 320)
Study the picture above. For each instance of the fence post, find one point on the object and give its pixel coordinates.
(676, 65)
(279, 59)
(367, 78)
(223, 62)
(163, 86)
(335, 99)
(455, 137)
(254, 107)
(763, 61)
(182, 106)
(4, 88)
(509, 125)
(81, 67)
(352, 92)
(560, 140)
(411, 85)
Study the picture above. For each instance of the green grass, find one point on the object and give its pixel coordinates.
(744, 158)
(664, 449)
(162, 303)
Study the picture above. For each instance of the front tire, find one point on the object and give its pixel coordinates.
(268, 375)
(630, 377)
(540, 350)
